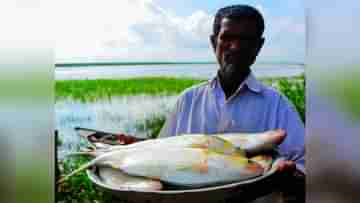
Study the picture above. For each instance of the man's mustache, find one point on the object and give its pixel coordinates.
(233, 54)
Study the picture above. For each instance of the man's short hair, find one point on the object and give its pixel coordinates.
(239, 12)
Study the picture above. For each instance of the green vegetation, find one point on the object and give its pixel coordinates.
(293, 89)
(92, 90)
(112, 63)
(152, 125)
(78, 188)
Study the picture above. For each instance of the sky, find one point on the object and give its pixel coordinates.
(163, 30)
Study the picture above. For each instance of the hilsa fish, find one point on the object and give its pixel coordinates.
(119, 180)
(255, 143)
(220, 148)
(188, 167)
(107, 157)
(250, 144)
(191, 167)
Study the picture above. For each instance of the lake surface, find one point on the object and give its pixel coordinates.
(202, 71)
(118, 115)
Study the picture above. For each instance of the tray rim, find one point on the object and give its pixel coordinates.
(94, 179)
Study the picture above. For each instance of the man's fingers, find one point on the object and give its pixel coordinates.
(286, 166)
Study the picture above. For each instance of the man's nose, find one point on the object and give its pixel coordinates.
(235, 44)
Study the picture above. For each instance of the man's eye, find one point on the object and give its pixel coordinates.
(226, 37)
(242, 39)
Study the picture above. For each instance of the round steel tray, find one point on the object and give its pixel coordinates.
(208, 194)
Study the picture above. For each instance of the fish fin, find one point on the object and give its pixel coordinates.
(262, 157)
(255, 167)
(201, 167)
(183, 168)
(264, 160)
(227, 147)
(218, 144)
(238, 159)
(199, 145)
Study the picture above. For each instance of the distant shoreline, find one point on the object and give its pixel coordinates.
(128, 63)
(81, 64)
(204, 70)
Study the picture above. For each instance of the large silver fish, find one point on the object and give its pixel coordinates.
(191, 167)
(214, 143)
(220, 149)
(255, 143)
(120, 180)
(249, 143)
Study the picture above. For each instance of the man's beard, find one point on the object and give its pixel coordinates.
(232, 75)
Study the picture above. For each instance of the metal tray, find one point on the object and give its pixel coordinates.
(264, 185)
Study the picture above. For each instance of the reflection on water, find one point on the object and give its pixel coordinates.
(118, 115)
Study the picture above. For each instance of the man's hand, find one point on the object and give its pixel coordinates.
(287, 180)
(286, 167)
(292, 182)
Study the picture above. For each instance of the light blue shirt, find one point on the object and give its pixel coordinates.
(253, 108)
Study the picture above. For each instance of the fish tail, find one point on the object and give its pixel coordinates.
(88, 153)
(81, 168)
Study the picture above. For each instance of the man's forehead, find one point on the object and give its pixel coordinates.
(248, 23)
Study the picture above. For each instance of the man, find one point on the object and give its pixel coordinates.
(234, 101)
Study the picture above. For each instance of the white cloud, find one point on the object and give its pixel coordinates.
(132, 30)
(285, 38)
(126, 30)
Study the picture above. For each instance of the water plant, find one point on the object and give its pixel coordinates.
(78, 189)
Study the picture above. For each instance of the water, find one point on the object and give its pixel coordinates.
(118, 115)
(202, 71)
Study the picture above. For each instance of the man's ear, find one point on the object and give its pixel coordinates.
(213, 41)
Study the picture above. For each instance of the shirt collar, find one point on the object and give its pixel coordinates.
(251, 82)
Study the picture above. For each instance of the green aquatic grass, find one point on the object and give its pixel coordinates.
(91, 90)
(151, 126)
(78, 188)
(294, 90)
